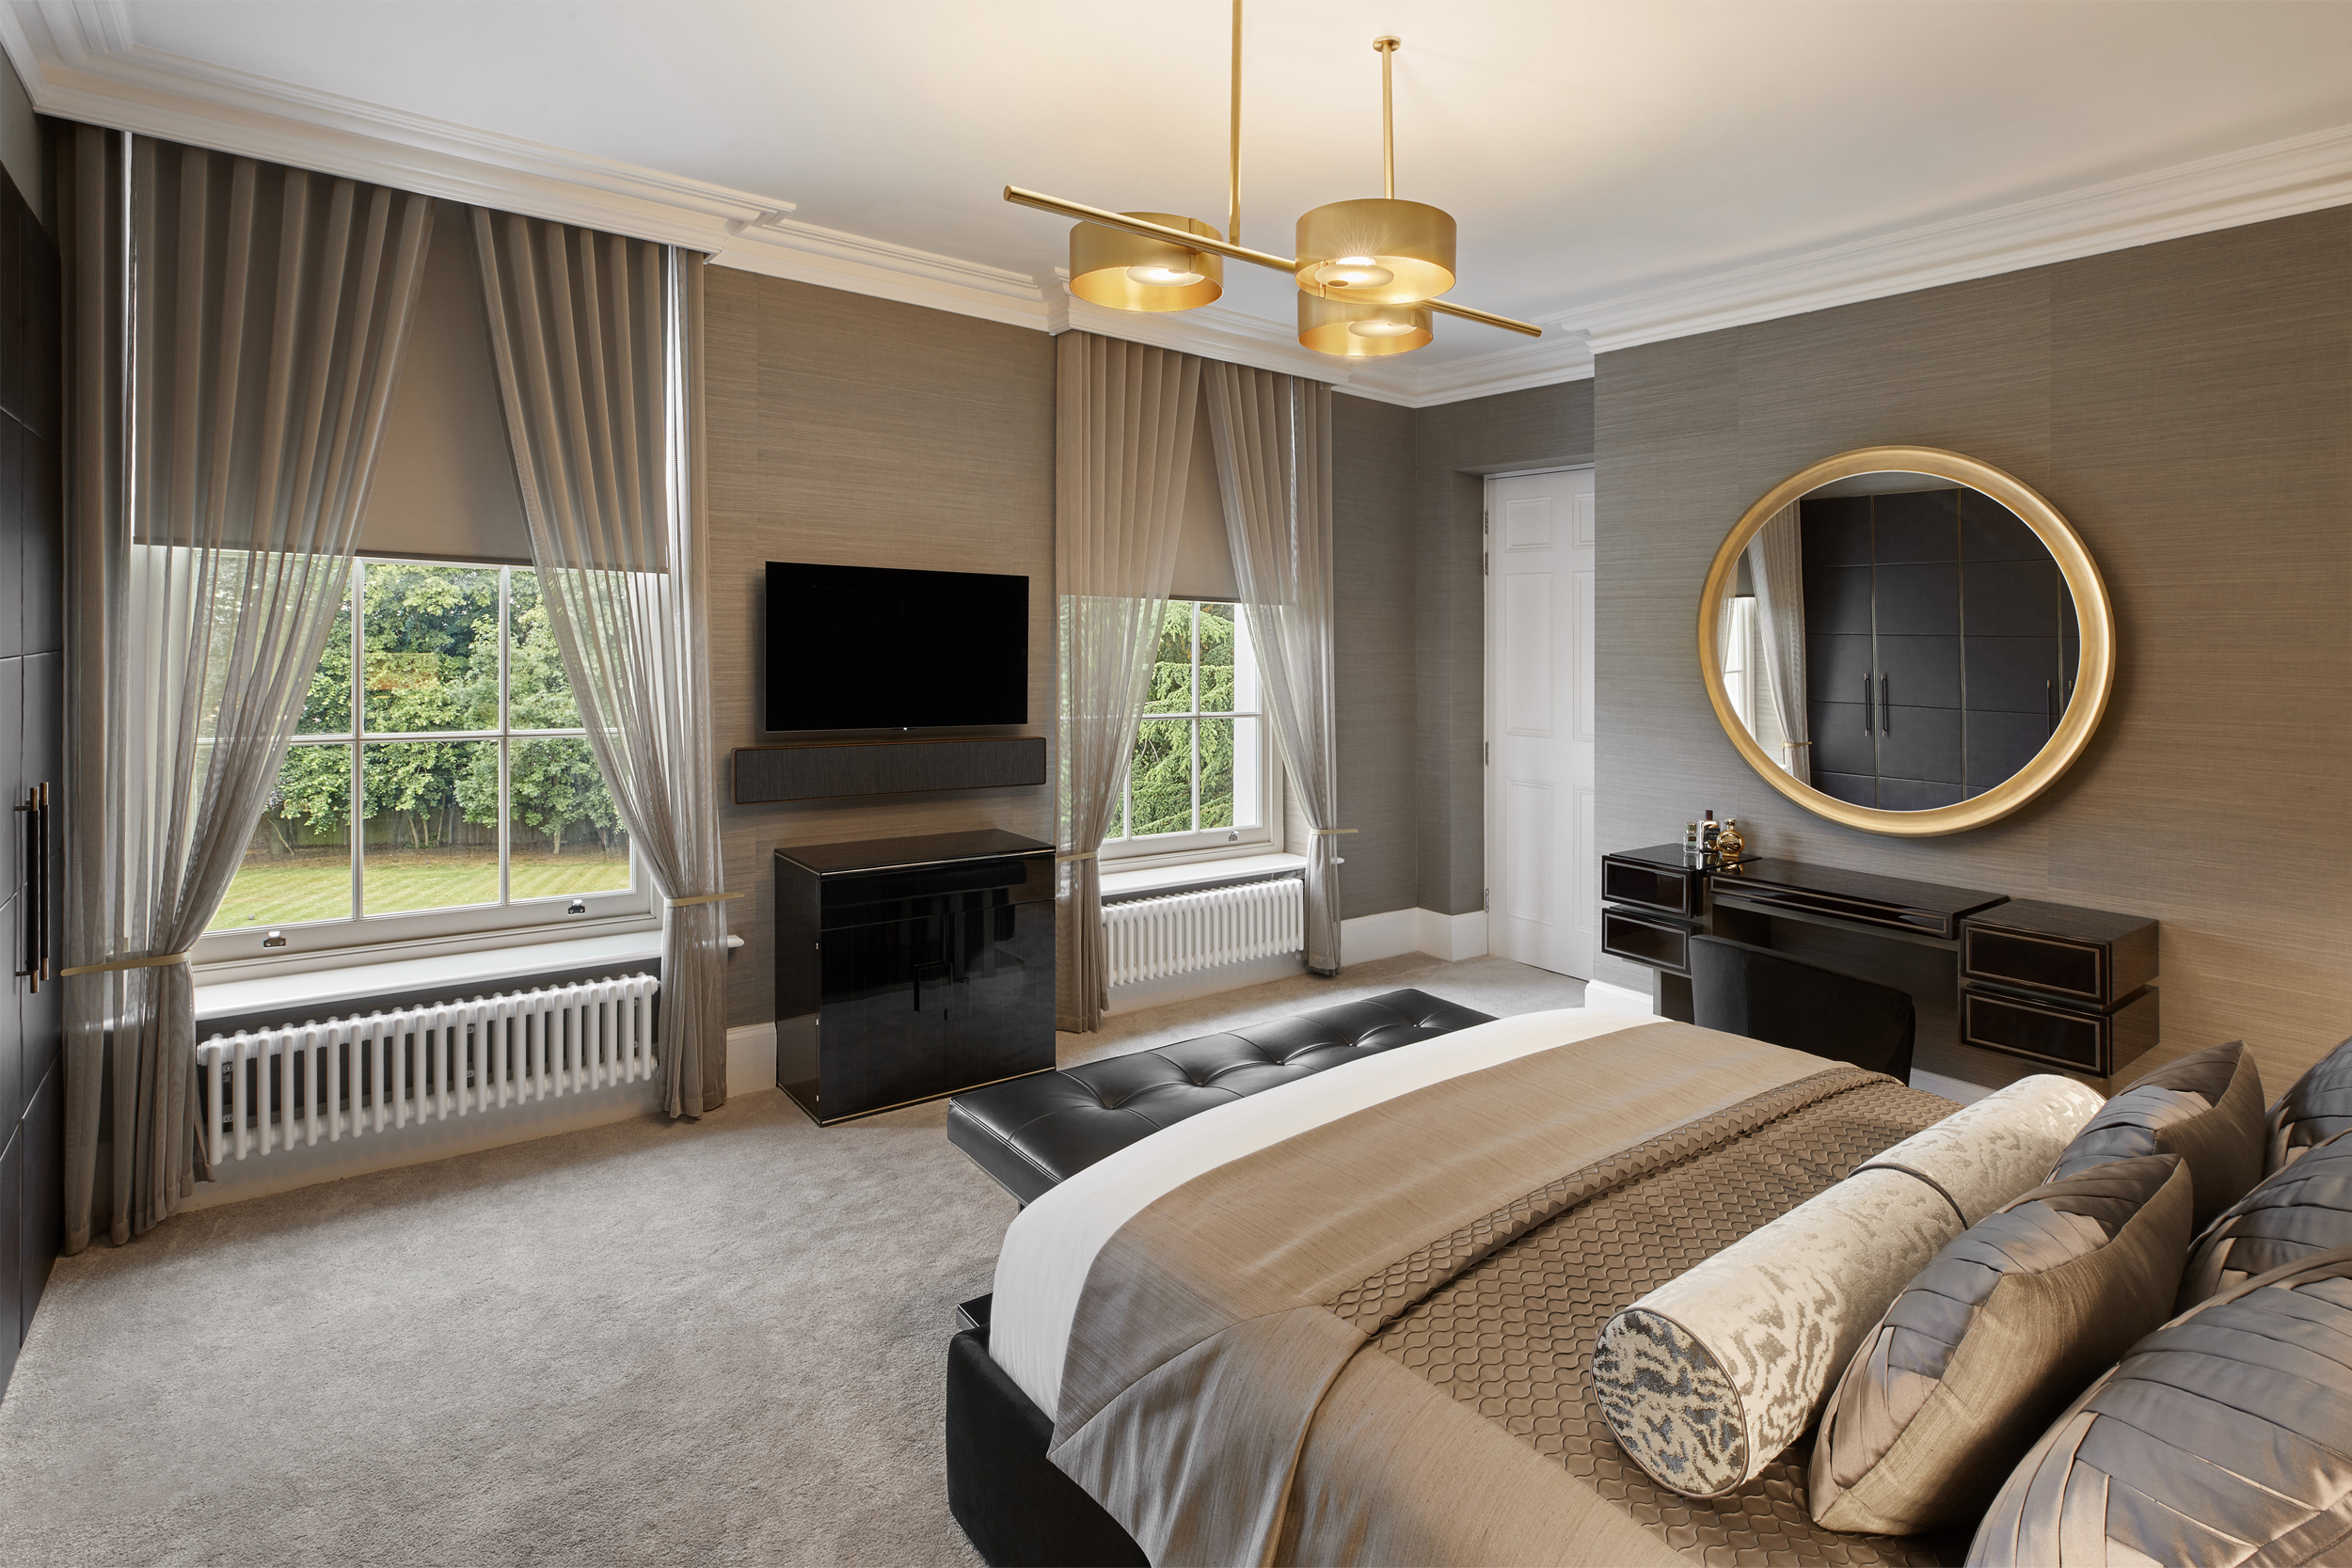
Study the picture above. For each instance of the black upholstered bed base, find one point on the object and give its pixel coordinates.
(1017, 1508)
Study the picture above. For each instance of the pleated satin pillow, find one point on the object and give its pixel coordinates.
(2007, 1324)
(2219, 1438)
(2317, 1108)
(2304, 1209)
(2206, 1108)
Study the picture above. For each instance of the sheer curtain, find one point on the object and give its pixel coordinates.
(1776, 564)
(598, 351)
(1124, 444)
(237, 332)
(1273, 437)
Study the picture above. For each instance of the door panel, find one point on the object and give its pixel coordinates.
(1991, 531)
(1836, 531)
(1835, 666)
(2011, 674)
(1921, 743)
(1920, 671)
(1921, 526)
(1542, 882)
(1842, 741)
(1915, 794)
(1919, 601)
(1837, 600)
(2013, 599)
(2001, 743)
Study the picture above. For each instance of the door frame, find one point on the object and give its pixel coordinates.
(1490, 788)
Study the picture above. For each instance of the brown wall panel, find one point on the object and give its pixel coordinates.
(859, 432)
(2189, 406)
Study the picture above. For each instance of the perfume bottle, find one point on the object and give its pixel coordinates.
(1691, 840)
(1730, 847)
(1710, 830)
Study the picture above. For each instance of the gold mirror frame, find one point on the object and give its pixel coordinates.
(2095, 672)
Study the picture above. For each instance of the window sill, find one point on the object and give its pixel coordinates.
(324, 990)
(1157, 880)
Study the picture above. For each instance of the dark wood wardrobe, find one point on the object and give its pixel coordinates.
(32, 766)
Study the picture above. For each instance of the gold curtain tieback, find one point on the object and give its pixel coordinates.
(700, 898)
(1081, 855)
(159, 962)
(1320, 831)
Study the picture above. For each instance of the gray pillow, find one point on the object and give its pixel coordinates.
(2317, 1108)
(1990, 1341)
(2219, 1438)
(2304, 1209)
(2206, 1108)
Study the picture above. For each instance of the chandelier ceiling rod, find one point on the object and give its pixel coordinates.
(1061, 207)
(1388, 44)
(1232, 156)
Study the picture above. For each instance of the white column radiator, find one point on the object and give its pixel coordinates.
(1151, 938)
(353, 1077)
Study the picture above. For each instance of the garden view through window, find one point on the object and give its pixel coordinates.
(1197, 773)
(443, 768)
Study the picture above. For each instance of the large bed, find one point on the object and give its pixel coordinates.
(1351, 1319)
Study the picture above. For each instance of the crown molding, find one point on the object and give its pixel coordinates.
(79, 60)
(2276, 180)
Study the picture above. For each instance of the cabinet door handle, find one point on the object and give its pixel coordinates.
(1886, 708)
(1865, 705)
(36, 884)
(2049, 703)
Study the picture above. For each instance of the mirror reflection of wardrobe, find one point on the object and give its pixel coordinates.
(1941, 645)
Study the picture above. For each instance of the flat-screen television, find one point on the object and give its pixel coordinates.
(872, 648)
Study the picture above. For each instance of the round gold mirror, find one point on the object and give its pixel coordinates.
(1906, 641)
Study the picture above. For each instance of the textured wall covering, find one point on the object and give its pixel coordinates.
(1371, 567)
(2189, 406)
(858, 432)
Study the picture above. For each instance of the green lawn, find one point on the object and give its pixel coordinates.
(281, 890)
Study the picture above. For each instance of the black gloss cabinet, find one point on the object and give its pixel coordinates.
(911, 967)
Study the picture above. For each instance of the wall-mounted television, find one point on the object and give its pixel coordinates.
(874, 648)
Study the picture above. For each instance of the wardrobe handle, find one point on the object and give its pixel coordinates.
(1865, 705)
(1886, 709)
(36, 809)
(2049, 703)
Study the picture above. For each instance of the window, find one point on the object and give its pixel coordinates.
(440, 782)
(1201, 777)
(1738, 639)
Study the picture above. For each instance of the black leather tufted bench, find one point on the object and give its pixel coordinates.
(1033, 1132)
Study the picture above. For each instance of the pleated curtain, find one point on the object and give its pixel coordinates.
(1777, 567)
(1123, 445)
(236, 335)
(1273, 439)
(598, 343)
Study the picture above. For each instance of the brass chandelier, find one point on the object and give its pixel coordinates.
(1370, 271)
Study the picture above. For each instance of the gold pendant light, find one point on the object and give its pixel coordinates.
(1369, 271)
(1130, 272)
(1380, 251)
(1359, 330)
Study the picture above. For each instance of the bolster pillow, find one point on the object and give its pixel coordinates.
(1709, 1377)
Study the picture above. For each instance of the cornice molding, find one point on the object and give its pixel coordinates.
(79, 60)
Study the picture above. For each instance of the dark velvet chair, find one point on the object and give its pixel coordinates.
(1772, 997)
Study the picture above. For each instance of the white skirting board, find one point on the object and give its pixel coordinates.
(751, 1060)
(1392, 932)
(1601, 996)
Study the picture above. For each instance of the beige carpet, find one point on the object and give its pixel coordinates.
(716, 1344)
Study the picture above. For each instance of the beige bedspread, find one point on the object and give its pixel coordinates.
(1367, 1343)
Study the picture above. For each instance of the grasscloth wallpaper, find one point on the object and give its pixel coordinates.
(858, 432)
(2189, 406)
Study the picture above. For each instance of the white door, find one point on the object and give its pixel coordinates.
(1543, 874)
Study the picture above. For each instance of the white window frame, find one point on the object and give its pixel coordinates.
(1738, 653)
(1211, 843)
(361, 937)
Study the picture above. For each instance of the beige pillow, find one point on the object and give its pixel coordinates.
(1993, 1339)
(2317, 1108)
(2219, 1438)
(2304, 1209)
(2206, 1108)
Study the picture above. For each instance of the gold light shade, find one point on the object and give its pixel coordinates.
(1359, 329)
(1378, 250)
(1135, 271)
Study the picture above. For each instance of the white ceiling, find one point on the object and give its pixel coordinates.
(1590, 151)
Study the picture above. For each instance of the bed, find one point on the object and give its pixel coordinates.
(1350, 1319)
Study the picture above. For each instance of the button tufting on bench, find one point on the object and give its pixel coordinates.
(1035, 1131)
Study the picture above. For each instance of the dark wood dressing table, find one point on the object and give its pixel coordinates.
(2051, 984)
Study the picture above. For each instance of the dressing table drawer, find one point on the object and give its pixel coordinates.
(2085, 956)
(1648, 940)
(2092, 1042)
(1641, 879)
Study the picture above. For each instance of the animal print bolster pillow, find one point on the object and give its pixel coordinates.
(1993, 1339)
(2206, 1108)
(1706, 1379)
(2317, 1108)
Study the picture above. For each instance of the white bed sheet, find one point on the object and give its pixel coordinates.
(1051, 1245)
